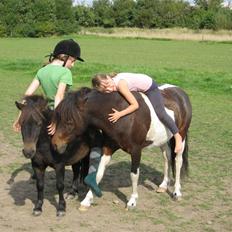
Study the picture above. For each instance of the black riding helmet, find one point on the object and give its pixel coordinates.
(68, 47)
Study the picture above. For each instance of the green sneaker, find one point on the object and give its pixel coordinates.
(90, 180)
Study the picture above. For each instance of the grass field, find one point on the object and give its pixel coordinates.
(203, 69)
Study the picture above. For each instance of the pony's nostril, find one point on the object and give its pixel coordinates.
(25, 153)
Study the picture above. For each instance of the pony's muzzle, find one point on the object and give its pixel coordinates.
(29, 152)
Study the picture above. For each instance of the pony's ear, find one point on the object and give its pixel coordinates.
(81, 103)
(19, 105)
(85, 98)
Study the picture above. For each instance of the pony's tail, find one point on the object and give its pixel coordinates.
(185, 165)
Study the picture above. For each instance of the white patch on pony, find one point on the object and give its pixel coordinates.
(134, 196)
(88, 199)
(104, 162)
(157, 132)
(165, 86)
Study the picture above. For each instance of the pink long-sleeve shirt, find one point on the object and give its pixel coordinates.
(136, 81)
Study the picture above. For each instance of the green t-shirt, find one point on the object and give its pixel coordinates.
(50, 76)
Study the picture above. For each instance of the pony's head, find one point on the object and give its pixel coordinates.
(68, 118)
(31, 121)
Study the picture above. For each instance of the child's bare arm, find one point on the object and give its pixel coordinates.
(32, 87)
(124, 90)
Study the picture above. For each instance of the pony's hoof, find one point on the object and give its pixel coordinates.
(130, 207)
(175, 197)
(71, 196)
(37, 213)
(161, 190)
(83, 208)
(60, 213)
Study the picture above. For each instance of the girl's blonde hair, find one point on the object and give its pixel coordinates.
(62, 57)
(96, 80)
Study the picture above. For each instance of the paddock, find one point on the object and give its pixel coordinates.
(207, 193)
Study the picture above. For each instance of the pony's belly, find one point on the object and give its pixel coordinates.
(157, 132)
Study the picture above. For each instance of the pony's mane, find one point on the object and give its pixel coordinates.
(70, 107)
(35, 101)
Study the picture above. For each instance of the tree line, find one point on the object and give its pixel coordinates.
(36, 18)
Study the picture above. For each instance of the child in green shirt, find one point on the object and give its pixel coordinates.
(55, 78)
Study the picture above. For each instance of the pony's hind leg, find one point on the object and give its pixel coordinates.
(86, 203)
(167, 159)
(178, 164)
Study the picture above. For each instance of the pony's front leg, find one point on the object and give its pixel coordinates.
(73, 192)
(86, 203)
(167, 159)
(39, 175)
(134, 179)
(178, 162)
(60, 170)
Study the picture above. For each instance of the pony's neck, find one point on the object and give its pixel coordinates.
(44, 130)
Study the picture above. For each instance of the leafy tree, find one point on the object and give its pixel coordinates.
(208, 21)
(208, 10)
(84, 16)
(124, 12)
(172, 13)
(103, 13)
(203, 4)
(65, 20)
(48, 17)
(2, 24)
(64, 10)
(14, 14)
(146, 13)
(224, 19)
(28, 17)
(209, 4)
(44, 17)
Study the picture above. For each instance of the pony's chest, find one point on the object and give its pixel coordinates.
(157, 133)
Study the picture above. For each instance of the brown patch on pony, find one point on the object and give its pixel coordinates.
(107, 151)
(175, 99)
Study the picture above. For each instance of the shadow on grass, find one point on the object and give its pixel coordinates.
(117, 176)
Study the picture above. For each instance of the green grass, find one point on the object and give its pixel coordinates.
(204, 70)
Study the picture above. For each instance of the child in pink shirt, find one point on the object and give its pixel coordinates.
(127, 82)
